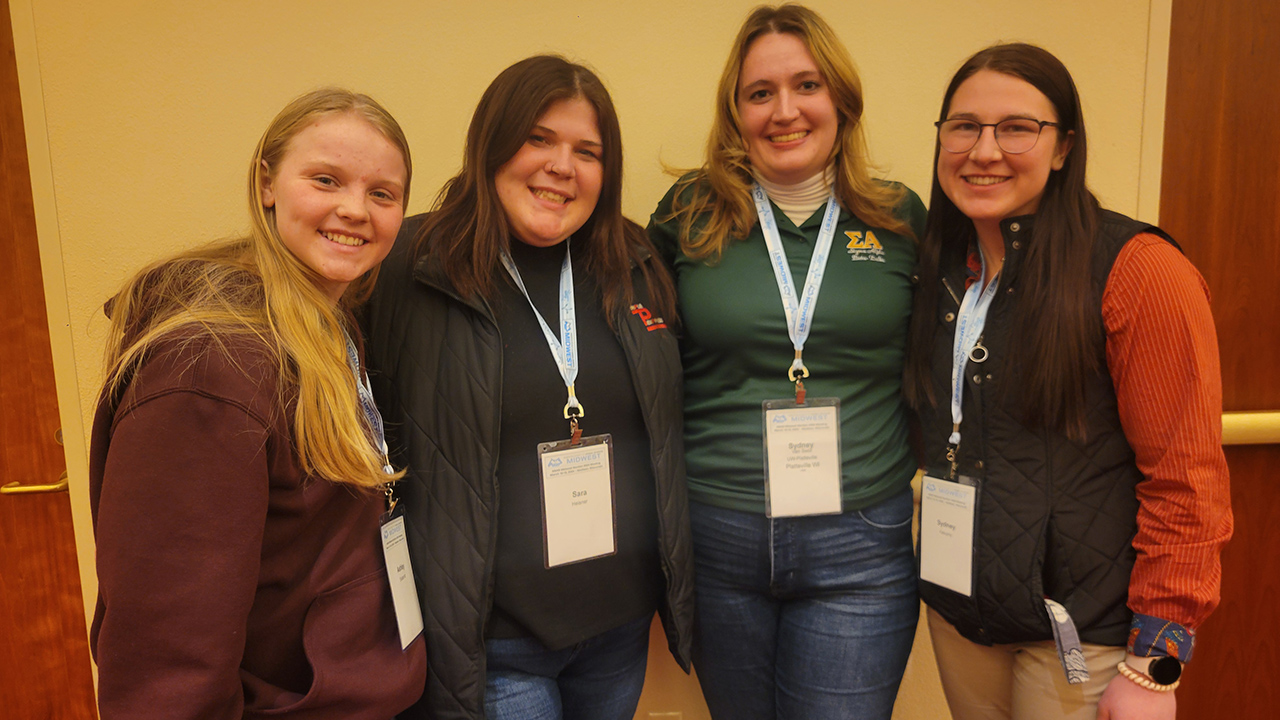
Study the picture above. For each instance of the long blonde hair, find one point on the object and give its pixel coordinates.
(721, 188)
(254, 286)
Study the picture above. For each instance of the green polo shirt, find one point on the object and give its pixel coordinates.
(736, 352)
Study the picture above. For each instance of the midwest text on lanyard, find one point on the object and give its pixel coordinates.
(967, 347)
(564, 348)
(799, 309)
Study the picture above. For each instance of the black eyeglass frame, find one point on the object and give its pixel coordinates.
(995, 134)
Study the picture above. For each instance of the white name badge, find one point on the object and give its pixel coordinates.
(578, 521)
(947, 511)
(802, 466)
(404, 595)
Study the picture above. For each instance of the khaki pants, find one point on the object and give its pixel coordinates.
(1019, 681)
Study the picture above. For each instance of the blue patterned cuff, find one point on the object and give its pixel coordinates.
(1151, 637)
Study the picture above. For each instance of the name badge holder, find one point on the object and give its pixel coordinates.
(948, 531)
(802, 467)
(802, 458)
(395, 546)
(404, 593)
(579, 519)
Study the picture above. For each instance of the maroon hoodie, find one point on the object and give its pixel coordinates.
(231, 583)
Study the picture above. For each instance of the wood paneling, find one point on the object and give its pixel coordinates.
(1220, 197)
(44, 653)
(1233, 673)
(1220, 189)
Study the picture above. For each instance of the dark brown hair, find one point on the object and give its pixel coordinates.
(1057, 321)
(468, 230)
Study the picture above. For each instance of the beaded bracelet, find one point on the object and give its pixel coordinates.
(1143, 680)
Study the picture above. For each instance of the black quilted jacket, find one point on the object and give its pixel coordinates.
(1056, 518)
(436, 367)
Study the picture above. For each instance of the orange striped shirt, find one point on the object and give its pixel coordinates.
(1162, 353)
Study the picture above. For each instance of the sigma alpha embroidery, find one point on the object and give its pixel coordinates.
(864, 247)
(651, 323)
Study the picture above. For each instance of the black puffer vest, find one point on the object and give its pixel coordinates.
(1056, 518)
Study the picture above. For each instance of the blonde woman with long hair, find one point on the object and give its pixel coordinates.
(795, 431)
(237, 471)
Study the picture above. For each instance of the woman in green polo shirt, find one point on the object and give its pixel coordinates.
(794, 274)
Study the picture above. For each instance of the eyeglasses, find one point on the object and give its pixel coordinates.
(1014, 136)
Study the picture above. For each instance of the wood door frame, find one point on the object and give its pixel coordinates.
(1221, 194)
(55, 292)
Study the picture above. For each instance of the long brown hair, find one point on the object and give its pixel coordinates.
(1057, 319)
(468, 230)
(721, 189)
(255, 286)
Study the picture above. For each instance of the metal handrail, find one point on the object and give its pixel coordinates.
(1251, 428)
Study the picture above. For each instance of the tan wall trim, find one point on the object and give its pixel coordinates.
(1153, 101)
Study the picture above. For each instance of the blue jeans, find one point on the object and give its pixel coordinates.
(804, 618)
(597, 679)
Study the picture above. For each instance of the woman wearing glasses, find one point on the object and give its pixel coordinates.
(1064, 363)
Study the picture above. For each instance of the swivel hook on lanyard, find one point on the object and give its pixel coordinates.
(795, 373)
(390, 492)
(572, 411)
(573, 408)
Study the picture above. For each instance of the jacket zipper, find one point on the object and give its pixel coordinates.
(486, 599)
(951, 292)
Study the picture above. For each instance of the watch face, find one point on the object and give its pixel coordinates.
(1165, 670)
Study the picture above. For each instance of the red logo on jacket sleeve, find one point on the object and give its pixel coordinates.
(651, 323)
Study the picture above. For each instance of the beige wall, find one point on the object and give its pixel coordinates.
(142, 115)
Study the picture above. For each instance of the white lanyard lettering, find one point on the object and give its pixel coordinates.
(370, 408)
(799, 309)
(970, 322)
(565, 348)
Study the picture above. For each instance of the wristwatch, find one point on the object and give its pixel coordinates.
(1165, 670)
(1162, 669)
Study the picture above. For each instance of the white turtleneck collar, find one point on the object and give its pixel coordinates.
(801, 200)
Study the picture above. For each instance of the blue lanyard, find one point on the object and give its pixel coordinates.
(970, 322)
(799, 309)
(367, 404)
(565, 348)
